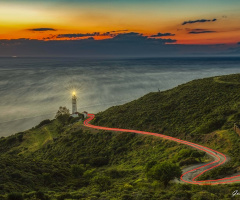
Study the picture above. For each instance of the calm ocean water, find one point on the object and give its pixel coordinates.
(32, 89)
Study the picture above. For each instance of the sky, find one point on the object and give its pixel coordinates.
(119, 27)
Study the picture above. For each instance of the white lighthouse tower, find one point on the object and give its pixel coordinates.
(74, 103)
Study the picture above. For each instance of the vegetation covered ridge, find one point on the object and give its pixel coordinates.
(195, 108)
(202, 111)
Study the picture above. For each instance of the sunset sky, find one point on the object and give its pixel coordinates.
(187, 22)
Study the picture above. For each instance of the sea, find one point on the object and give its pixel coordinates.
(32, 89)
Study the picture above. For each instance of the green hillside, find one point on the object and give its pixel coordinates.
(202, 111)
(67, 162)
(198, 107)
(62, 159)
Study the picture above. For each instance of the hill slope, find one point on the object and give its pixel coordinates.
(66, 166)
(201, 111)
(60, 160)
(198, 107)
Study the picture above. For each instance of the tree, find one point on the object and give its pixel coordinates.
(164, 172)
(62, 111)
(63, 115)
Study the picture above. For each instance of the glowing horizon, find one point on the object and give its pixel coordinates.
(72, 17)
(161, 22)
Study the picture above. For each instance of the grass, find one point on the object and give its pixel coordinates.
(37, 138)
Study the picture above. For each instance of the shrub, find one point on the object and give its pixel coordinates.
(15, 196)
(64, 196)
(114, 173)
(183, 153)
(103, 182)
(10, 140)
(164, 172)
(72, 120)
(40, 195)
(127, 186)
(150, 165)
(211, 125)
(63, 119)
(89, 173)
(47, 179)
(44, 122)
(188, 161)
(204, 195)
(99, 161)
(77, 170)
(126, 197)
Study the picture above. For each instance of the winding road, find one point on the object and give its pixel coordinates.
(191, 173)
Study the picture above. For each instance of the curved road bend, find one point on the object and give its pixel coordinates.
(190, 173)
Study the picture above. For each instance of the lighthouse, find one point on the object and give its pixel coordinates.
(74, 103)
(75, 113)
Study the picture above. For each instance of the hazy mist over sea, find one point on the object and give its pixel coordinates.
(32, 89)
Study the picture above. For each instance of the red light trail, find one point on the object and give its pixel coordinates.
(219, 158)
